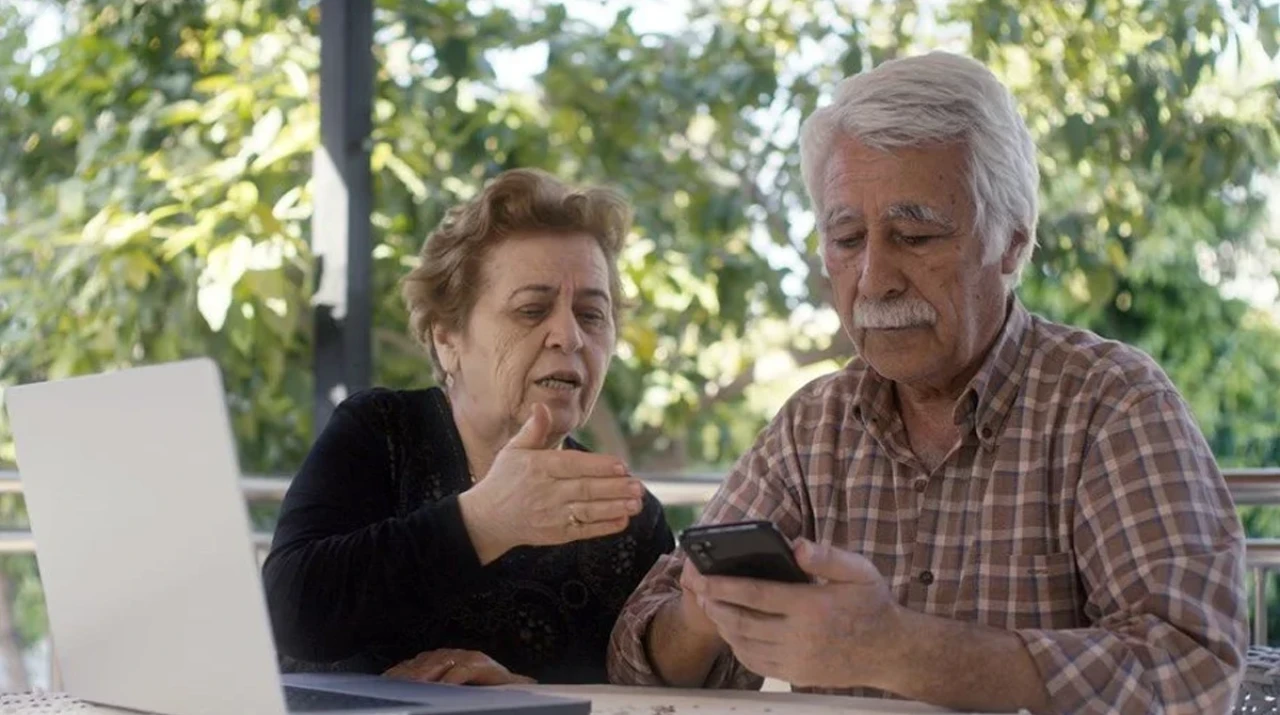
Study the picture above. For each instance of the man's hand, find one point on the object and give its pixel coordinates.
(455, 667)
(693, 614)
(836, 633)
(681, 642)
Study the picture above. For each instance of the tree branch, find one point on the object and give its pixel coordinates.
(819, 288)
(773, 220)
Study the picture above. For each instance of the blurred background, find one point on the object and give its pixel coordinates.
(160, 161)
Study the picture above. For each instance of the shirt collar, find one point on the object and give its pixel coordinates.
(985, 402)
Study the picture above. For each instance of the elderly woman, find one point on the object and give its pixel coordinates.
(458, 533)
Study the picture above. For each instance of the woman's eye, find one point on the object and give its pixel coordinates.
(591, 317)
(532, 311)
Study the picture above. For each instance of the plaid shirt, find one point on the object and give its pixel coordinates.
(1081, 509)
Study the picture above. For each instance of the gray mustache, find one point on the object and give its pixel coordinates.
(893, 314)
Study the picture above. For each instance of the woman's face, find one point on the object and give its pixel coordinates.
(541, 331)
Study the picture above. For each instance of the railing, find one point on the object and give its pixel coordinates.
(1262, 556)
(671, 489)
(1248, 487)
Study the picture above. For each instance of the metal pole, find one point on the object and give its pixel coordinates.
(341, 231)
(1260, 606)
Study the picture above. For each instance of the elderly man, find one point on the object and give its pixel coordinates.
(999, 512)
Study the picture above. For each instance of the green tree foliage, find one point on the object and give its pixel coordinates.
(155, 167)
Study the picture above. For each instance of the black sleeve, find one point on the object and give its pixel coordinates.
(344, 573)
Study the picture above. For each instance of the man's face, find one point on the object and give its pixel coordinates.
(906, 266)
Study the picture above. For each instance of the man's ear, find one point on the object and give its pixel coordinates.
(1010, 259)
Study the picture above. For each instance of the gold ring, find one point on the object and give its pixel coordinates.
(573, 518)
(449, 664)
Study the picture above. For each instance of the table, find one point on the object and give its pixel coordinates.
(605, 700)
(617, 700)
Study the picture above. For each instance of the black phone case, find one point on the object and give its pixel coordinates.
(753, 549)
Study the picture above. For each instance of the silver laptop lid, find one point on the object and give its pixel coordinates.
(143, 541)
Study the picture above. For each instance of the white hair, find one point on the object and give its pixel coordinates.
(937, 98)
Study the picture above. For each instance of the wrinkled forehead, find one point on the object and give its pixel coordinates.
(575, 263)
(917, 184)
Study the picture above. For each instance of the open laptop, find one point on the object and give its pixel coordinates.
(143, 541)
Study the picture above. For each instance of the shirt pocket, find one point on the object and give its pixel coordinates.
(1025, 591)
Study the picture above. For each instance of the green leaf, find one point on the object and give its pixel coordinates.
(265, 131)
(455, 56)
(851, 61)
(213, 301)
(297, 138)
(138, 269)
(1077, 134)
(1269, 30)
(186, 237)
(184, 111)
(244, 196)
(407, 176)
(161, 213)
(214, 83)
(299, 82)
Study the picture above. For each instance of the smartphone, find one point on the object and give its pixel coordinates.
(747, 549)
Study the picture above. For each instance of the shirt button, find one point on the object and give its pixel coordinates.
(921, 484)
(926, 577)
(987, 433)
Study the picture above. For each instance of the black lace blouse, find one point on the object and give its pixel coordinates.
(371, 563)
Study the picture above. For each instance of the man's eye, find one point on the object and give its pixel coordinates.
(915, 240)
(532, 311)
(850, 241)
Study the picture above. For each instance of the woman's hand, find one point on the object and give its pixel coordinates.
(542, 497)
(455, 667)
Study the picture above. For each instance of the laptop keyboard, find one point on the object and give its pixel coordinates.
(307, 700)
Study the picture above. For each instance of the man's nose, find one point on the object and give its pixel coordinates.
(881, 277)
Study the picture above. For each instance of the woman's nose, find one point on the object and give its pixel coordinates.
(565, 333)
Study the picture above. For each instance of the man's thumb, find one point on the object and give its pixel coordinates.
(833, 565)
(533, 434)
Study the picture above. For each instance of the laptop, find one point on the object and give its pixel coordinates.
(145, 552)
